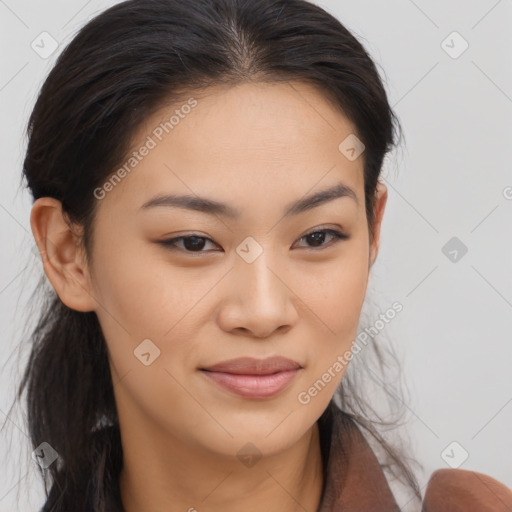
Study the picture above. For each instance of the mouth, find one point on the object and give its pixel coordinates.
(254, 378)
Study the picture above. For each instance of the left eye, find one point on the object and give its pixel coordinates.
(315, 238)
(195, 243)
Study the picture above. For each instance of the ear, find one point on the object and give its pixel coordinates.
(380, 205)
(60, 246)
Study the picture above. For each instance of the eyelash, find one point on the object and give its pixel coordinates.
(338, 236)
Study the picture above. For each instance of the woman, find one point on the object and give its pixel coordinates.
(207, 205)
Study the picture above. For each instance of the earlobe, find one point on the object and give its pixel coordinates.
(380, 205)
(60, 252)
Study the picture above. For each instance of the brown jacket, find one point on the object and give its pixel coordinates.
(356, 482)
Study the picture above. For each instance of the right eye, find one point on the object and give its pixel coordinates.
(191, 243)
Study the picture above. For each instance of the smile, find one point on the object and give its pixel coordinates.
(253, 386)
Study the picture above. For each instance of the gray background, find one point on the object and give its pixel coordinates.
(453, 178)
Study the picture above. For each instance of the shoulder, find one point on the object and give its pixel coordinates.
(461, 490)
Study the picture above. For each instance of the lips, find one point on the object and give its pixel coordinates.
(252, 366)
(253, 378)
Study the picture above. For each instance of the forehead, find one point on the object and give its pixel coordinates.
(254, 118)
(268, 140)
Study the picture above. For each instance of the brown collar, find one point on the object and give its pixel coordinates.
(354, 479)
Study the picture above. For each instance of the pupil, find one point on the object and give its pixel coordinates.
(317, 237)
(191, 242)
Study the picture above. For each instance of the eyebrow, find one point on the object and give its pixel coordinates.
(211, 207)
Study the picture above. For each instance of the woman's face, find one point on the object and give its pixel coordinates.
(251, 285)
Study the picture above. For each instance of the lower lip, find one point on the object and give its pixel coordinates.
(253, 386)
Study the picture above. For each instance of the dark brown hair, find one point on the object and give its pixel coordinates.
(121, 67)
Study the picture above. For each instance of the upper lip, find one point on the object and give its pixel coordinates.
(253, 366)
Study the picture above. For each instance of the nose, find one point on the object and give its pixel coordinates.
(257, 298)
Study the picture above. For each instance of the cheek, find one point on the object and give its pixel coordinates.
(133, 298)
(334, 292)
(143, 293)
(335, 296)
(144, 296)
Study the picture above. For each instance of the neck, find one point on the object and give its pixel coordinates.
(178, 478)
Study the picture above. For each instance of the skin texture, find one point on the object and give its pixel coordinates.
(257, 147)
